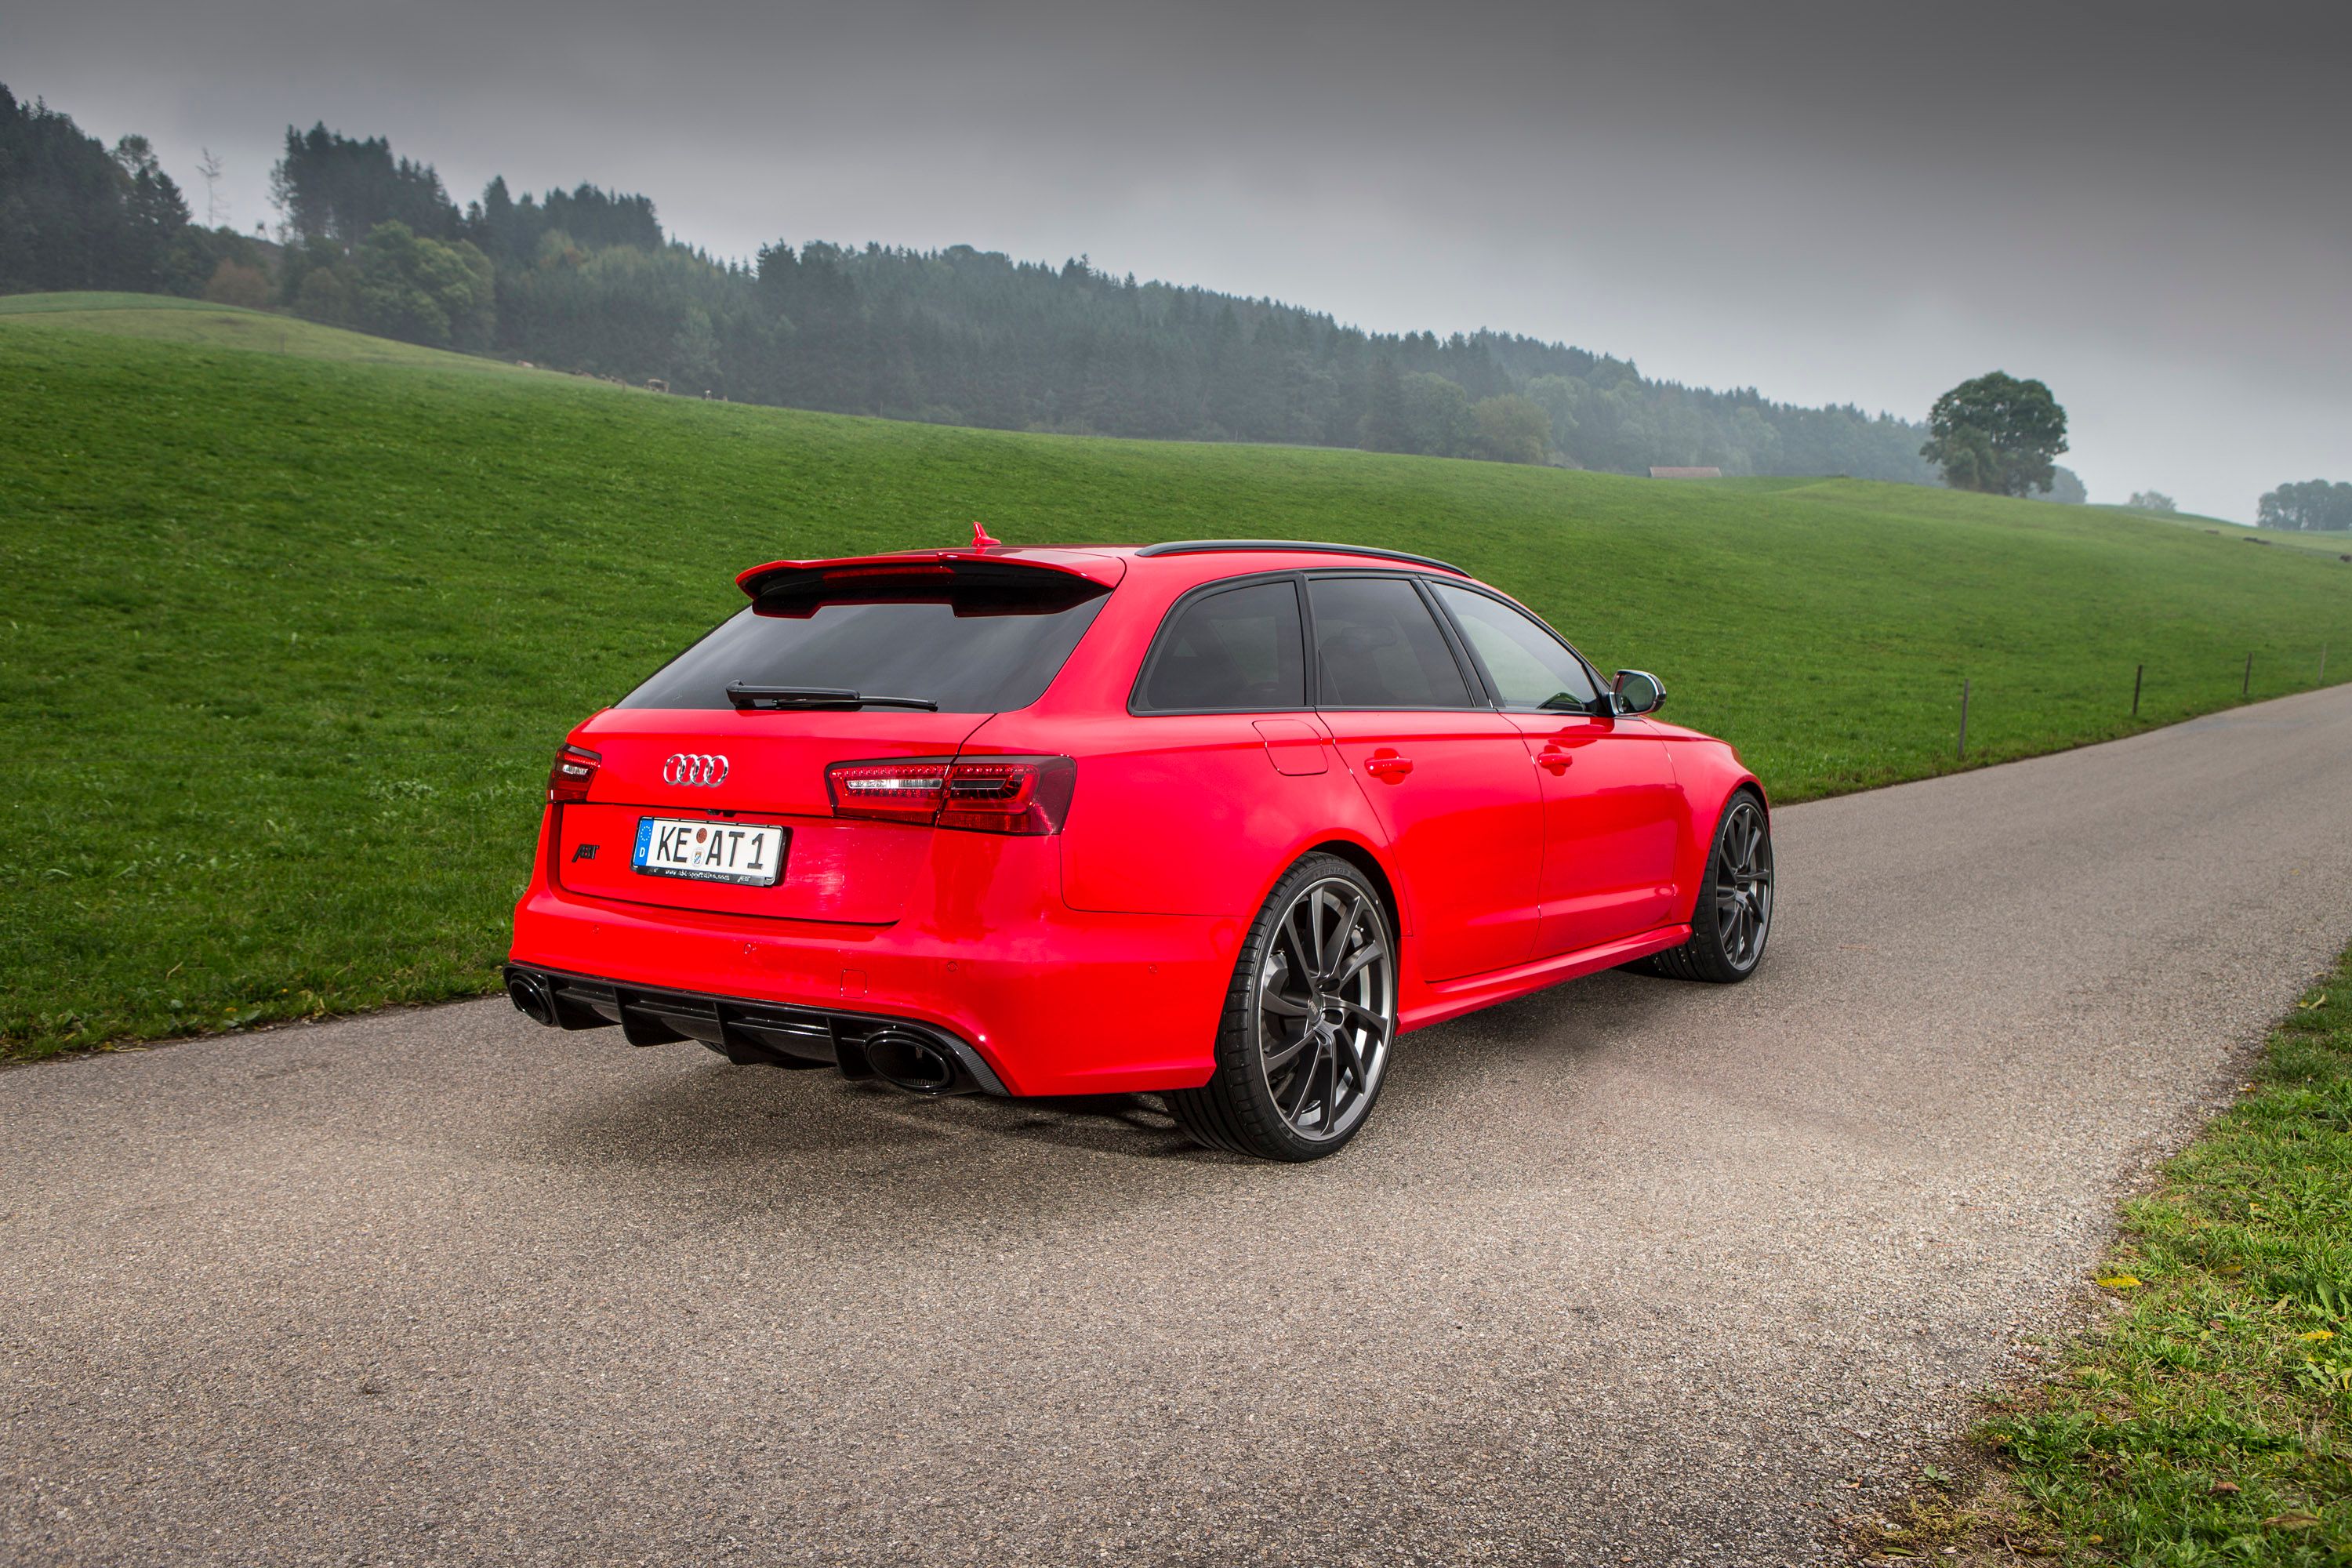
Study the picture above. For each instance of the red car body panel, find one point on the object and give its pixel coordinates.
(1460, 819)
(1615, 827)
(1519, 849)
(1706, 770)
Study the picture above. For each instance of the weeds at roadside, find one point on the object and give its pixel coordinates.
(2209, 1420)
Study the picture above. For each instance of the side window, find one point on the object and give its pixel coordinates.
(1527, 666)
(1377, 646)
(1239, 650)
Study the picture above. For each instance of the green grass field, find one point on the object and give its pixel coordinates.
(294, 620)
(161, 318)
(2326, 543)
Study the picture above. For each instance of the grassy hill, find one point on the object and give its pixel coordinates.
(295, 617)
(2326, 543)
(161, 317)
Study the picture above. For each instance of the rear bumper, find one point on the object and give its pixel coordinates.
(742, 1030)
(1046, 1000)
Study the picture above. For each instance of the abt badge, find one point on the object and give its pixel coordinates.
(701, 769)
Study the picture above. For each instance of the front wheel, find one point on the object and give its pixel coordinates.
(1733, 915)
(1308, 1021)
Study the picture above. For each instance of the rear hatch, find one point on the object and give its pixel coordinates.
(833, 662)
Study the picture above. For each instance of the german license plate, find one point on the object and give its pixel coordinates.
(710, 851)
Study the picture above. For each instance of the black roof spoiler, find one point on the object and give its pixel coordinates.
(1316, 547)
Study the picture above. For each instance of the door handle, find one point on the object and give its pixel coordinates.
(1556, 758)
(1388, 765)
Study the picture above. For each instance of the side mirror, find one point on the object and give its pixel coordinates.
(1637, 691)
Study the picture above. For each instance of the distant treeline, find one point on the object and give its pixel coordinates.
(2315, 504)
(586, 281)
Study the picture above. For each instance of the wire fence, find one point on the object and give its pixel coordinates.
(2139, 687)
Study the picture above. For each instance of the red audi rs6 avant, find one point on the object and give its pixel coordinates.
(1218, 820)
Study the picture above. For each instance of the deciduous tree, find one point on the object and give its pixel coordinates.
(2066, 486)
(1512, 430)
(423, 291)
(234, 283)
(2312, 504)
(1996, 434)
(1437, 416)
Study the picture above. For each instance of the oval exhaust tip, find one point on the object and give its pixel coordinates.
(907, 1061)
(532, 997)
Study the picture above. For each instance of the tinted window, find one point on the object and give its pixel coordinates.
(1527, 666)
(1240, 649)
(970, 643)
(1376, 646)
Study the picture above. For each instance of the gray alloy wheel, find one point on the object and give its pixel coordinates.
(1742, 884)
(1325, 1008)
(1308, 1022)
(1732, 916)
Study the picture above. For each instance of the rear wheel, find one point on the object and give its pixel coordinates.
(1308, 1021)
(1734, 912)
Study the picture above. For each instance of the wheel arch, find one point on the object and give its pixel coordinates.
(1711, 777)
(1362, 858)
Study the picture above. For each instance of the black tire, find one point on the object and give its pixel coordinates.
(1732, 918)
(1303, 1047)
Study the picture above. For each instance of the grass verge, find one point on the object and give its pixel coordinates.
(2209, 1421)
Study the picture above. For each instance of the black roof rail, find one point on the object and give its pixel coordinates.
(1318, 547)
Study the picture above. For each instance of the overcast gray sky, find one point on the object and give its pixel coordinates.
(2149, 206)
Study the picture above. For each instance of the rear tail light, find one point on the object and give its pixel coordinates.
(995, 795)
(1012, 795)
(574, 770)
(908, 790)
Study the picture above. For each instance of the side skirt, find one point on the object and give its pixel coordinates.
(1451, 998)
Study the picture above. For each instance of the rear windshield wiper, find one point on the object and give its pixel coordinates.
(778, 699)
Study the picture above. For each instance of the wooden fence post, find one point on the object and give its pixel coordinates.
(2137, 670)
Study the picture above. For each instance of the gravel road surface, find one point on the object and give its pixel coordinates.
(1634, 1271)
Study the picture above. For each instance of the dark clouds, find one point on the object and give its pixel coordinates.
(2149, 206)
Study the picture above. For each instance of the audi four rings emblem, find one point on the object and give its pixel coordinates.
(694, 768)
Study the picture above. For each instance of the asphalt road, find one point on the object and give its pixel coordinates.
(1634, 1271)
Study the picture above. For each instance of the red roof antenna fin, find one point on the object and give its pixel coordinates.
(979, 539)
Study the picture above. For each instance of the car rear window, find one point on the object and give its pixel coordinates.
(1237, 650)
(971, 642)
